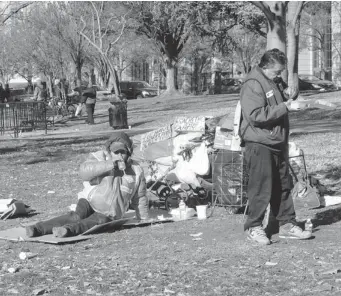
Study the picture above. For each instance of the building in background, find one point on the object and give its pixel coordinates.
(324, 60)
(336, 41)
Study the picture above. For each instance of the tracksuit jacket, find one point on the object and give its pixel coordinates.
(264, 114)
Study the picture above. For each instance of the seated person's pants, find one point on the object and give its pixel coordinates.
(77, 222)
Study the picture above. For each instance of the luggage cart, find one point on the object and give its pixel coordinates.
(230, 179)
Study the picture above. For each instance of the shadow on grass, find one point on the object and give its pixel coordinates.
(54, 150)
(333, 173)
(327, 216)
(315, 114)
(36, 144)
(140, 123)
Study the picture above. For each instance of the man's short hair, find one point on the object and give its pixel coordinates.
(272, 57)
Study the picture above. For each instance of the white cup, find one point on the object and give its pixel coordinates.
(201, 212)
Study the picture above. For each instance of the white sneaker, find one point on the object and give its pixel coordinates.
(292, 231)
(258, 235)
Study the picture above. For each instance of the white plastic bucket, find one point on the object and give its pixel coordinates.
(201, 212)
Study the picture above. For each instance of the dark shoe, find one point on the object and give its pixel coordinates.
(60, 231)
(32, 231)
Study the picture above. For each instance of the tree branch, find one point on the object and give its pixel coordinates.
(13, 12)
(263, 7)
(91, 42)
(298, 11)
(98, 22)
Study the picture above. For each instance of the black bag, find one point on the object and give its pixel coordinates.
(118, 118)
(89, 92)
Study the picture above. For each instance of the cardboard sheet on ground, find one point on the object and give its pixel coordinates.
(19, 233)
(130, 221)
(127, 222)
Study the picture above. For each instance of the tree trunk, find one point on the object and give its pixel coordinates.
(293, 24)
(276, 25)
(79, 72)
(196, 76)
(114, 83)
(49, 83)
(170, 78)
(92, 76)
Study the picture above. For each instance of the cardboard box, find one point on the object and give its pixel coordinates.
(225, 139)
(222, 139)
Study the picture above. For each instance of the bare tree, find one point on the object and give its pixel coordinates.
(102, 28)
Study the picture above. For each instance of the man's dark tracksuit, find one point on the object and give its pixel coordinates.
(265, 130)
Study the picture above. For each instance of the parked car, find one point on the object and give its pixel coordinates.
(137, 89)
(101, 92)
(311, 82)
(231, 85)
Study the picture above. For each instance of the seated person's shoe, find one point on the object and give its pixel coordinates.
(32, 231)
(292, 231)
(257, 234)
(60, 231)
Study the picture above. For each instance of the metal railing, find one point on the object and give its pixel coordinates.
(25, 116)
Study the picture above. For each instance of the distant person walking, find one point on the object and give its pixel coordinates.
(40, 91)
(7, 93)
(2, 94)
(89, 99)
(57, 89)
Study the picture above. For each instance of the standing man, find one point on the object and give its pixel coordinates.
(265, 130)
(7, 93)
(2, 94)
(40, 91)
(89, 98)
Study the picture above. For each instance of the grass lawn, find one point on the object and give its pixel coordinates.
(42, 170)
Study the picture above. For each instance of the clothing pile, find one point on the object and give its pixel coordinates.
(11, 208)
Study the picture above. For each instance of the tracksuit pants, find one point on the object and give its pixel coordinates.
(269, 182)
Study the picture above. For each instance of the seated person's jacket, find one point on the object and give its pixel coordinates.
(111, 192)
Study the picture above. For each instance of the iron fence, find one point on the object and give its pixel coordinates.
(25, 116)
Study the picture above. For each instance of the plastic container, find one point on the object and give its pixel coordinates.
(182, 209)
(175, 213)
(308, 225)
(201, 212)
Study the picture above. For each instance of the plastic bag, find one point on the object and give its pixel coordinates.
(79, 109)
(199, 163)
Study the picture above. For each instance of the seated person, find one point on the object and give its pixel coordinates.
(113, 182)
